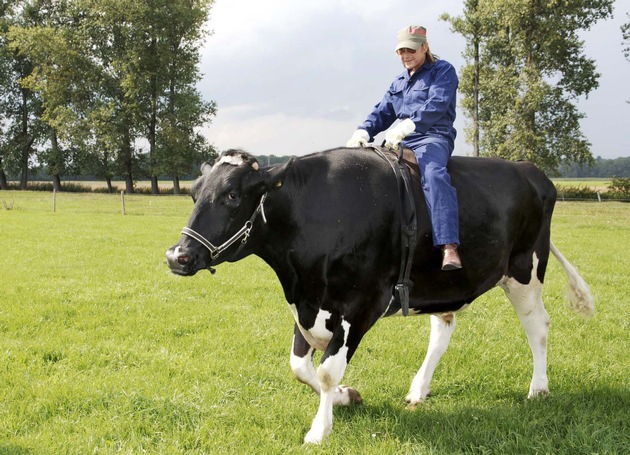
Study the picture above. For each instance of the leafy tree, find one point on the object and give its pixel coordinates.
(5, 19)
(20, 107)
(470, 26)
(111, 72)
(163, 75)
(48, 17)
(532, 68)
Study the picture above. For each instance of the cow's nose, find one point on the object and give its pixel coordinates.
(177, 259)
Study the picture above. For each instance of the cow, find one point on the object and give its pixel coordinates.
(329, 224)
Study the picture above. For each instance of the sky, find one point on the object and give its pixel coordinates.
(295, 77)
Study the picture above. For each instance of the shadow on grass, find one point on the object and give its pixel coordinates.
(597, 421)
(14, 450)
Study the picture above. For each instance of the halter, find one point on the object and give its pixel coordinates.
(242, 233)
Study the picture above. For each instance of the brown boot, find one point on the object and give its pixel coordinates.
(450, 257)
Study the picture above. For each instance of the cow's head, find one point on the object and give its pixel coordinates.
(228, 203)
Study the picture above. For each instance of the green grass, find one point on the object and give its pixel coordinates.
(103, 350)
(592, 183)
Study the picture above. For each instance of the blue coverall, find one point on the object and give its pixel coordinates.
(428, 98)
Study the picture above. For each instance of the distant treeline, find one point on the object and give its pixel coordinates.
(603, 168)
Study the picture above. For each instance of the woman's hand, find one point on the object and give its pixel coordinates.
(360, 138)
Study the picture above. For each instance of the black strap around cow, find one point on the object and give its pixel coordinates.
(408, 226)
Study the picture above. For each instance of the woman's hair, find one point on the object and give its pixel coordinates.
(431, 57)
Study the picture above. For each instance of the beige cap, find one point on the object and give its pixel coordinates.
(411, 37)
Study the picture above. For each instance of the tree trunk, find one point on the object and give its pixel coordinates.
(4, 185)
(153, 127)
(127, 158)
(56, 165)
(24, 142)
(176, 188)
(110, 188)
(56, 180)
(475, 112)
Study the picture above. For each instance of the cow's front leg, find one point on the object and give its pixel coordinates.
(302, 366)
(329, 373)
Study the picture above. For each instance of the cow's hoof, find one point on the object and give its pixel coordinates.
(316, 435)
(414, 400)
(542, 393)
(346, 396)
(413, 405)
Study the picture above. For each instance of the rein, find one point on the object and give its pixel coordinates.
(242, 234)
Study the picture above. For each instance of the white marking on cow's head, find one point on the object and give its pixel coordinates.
(236, 160)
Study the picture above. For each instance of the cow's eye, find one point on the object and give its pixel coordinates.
(232, 196)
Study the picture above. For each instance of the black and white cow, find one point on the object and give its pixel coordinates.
(328, 224)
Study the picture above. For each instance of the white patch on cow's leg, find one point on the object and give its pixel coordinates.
(329, 374)
(303, 368)
(528, 303)
(317, 336)
(304, 371)
(442, 327)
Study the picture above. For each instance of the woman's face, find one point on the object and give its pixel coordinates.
(412, 60)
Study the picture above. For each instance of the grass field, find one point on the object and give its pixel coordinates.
(103, 350)
(594, 184)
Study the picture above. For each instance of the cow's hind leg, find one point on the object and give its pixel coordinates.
(528, 303)
(302, 366)
(442, 327)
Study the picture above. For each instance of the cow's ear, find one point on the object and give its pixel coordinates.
(206, 168)
(263, 180)
(277, 174)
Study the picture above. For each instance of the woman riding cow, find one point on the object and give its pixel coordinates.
(423, 99)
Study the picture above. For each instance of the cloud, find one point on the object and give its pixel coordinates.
(277, 134)
(302, 75)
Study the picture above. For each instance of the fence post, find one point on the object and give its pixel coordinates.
(122, 200)
(599, 197)
(54, 201)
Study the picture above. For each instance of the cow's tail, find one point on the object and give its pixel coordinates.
(580, 298)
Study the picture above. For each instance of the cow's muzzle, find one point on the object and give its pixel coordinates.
(184, 262)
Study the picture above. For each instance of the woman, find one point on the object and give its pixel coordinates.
(423, 99)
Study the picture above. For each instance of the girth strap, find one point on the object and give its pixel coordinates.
(408, 227)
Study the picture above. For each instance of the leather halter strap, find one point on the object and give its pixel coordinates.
(242, 234)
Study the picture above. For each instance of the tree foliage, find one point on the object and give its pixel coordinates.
(20, 107)
(531, 69)
(113, 75)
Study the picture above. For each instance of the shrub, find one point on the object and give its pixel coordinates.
(620, 188)
(576, 192)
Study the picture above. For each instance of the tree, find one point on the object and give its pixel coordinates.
(163, 74)
(111, 72)
(48, 17)
(470, 26)
(5, 14)
(532, 68)
(20, 107)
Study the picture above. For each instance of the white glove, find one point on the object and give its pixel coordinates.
(360, 138)
(395, 135)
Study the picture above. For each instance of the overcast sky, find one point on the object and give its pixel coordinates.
(294, 77)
